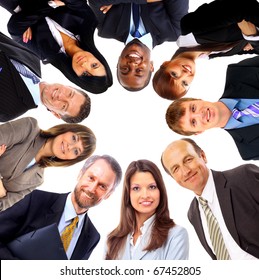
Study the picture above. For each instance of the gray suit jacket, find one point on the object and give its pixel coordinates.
(238, 195)
(23, 143)
(176, 247)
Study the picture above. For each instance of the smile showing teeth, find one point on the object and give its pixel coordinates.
(62, 148)
(134, 55)
(188, 68)
(146, 203)
(208, 115)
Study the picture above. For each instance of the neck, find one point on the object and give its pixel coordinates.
(70, 44)
(45, 150)
(225, 114)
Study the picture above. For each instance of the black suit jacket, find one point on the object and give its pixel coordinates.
(216, 22)
(15, 98)
(161, 19)
(238, 194)
(242, 81)
(37, 210)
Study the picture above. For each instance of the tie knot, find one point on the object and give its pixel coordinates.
(203, 201)
(74, 221)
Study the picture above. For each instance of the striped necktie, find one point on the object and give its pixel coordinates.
(214, 232)
(67, 233)
(251, 110)
(23, 71)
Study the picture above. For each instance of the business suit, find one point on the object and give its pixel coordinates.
(15, 98)
(161, 19)
(23, 143)
(242, 81)
(216, 22)
(175, 248)
(237, 191)
(38, 210)
(76, 17)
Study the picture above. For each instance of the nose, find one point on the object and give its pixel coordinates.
(185, 170)
(144, 193)
(92, 186)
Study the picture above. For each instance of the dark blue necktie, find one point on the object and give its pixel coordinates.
(23, 71)
(136, 18)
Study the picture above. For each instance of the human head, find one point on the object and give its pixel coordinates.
(70, 104)
(84, 134)
(172, 80)
(127, 210)
(134, 67)
(96, 181)
(189, 116)
(186, 162)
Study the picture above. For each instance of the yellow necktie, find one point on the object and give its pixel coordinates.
(67, 233)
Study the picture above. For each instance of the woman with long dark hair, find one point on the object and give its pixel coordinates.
(25, 150)
(216, 29)
(145, 230)
(64, 37)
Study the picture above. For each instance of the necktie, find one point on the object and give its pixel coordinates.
(26, 73)
(136, 18)
(67, 233)
(214, 231)
(251, 110)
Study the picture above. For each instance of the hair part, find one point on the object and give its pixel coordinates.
(162, 224)
(174, 113)
(85, 135)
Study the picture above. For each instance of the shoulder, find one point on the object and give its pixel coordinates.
(178, 230)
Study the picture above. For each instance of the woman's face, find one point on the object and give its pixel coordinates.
(144, 193)
(85, 64)
(182, 71)
(67, 146)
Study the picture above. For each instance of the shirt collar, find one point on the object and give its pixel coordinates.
(208, 191)
(145, 39)
(231, 104)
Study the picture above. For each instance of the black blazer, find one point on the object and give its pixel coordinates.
(37, 210)
(77, 17)
(15, 98)
(216, 22)
(161, 19)
(242, 81)
(237, 191)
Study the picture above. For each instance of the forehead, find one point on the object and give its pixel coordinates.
(176, 152)
(139, 177)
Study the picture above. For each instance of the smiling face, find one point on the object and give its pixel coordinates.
(94, 185)
(61, 100)
(201, 115)
(187, 167)
(144, 194)
(134, 65)
(181, 71)
(67, 146)
(86, 64)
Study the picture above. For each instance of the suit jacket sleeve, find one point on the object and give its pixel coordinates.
(177, 247)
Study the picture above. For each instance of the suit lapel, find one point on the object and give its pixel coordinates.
(224, 197)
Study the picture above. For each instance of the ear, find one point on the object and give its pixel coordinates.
(203, 156)
(151, 66)
(56, 114)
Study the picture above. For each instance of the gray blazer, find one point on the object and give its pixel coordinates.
(23, 143)
(176, 247)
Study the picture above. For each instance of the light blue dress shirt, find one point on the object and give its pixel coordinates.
(240, 104)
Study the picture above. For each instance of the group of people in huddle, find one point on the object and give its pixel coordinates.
(224, 211)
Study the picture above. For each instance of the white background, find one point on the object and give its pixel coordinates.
(131, 126)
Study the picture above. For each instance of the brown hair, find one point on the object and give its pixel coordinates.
(174, 113)
(162, 224)
(85, 135)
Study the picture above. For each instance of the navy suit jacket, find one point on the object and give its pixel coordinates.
(37, 210)
(161, 19)
(242, 81)
(238, 194)
(216, 22)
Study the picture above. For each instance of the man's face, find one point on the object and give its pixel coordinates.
(94, 185)
(61, 100)
(134, 65)
(200, 115)
(187, 167)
